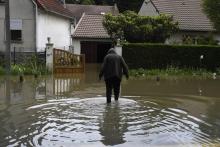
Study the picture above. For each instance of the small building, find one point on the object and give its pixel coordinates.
(189, 14)
(89, 36)
(33, 22)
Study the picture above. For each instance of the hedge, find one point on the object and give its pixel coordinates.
(143, 55)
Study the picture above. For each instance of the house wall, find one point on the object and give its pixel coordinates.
(76, 47)
(217, 37)
(23, 10)
(177, 38)
(147, 9)
(2, 27)
(55, 27)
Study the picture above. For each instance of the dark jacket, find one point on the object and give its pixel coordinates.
(113, 66)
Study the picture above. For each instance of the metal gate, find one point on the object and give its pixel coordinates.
(66, 62)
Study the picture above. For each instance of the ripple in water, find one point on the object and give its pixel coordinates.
(81, 122)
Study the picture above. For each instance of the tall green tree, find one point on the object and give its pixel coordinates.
(212, 9)
(134, 28)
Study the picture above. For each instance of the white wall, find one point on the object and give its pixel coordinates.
(55, 27)
(177, 38)
(118, 49)
(217, 37)
(147, 9)
(76, 47)
(2, 27)
(174, 39)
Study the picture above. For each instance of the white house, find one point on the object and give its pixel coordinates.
(33, 21)
(189, 14)
(54, 21)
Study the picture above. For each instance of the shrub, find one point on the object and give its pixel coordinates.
(143, 55)
(17, 70)
(2, 71)
(135, 28)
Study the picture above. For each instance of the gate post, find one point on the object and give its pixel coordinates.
(49, 55)
(118, 48)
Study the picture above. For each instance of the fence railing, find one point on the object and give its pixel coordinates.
(23, 57)
(66, 62)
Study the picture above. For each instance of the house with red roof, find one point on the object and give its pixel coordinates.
(189, 14)
(34, 21)
(89, 35)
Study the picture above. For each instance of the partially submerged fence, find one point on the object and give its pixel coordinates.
(66, 62)
(22, 57)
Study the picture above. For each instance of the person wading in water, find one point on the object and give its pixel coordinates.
(113, 67)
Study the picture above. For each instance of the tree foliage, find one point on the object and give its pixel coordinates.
(212, 9)
(134, 28)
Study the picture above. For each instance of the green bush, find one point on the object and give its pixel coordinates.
(135, 28)
(17, 70)
(170, 71)
(2, 71)
(161, 56)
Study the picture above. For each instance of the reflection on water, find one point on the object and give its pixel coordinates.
(71, 110)
(113, 127)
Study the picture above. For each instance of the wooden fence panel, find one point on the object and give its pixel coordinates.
(66, 62)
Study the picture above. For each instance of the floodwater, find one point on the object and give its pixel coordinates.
(71, 111)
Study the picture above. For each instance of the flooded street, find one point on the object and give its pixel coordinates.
(71, 110)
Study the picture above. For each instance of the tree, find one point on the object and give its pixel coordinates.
(134, 28)
(212, 9)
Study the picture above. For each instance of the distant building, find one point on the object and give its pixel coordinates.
(192, 20)
(89, 36)
(33, 21)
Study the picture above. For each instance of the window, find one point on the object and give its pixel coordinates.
(16, 29)
(16, 35)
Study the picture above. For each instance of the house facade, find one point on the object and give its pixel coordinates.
(189, 14)
(22, 25)
(33, 22)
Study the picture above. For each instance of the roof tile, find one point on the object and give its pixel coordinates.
(90, 26)
(55, 6)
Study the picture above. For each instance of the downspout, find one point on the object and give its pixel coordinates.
(64, 3)
(36, 25)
